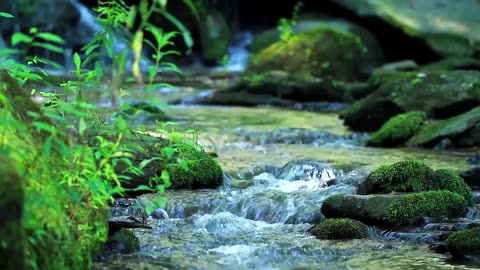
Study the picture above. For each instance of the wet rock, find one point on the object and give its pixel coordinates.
(472, 177)
(394, 209)
(462, 130)
(123, 241)
(439, 94)
(453, 63)
(144, 112)
(404, 65)
(434, 21)
(475, 158)
(371, 209)
(127, 213)
(320, 53)
(340, 228)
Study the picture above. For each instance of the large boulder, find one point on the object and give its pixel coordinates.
(439, 94)
(462, 130)
(371, 209)
(448, 27)
(411, 175)
(394, 209)
(374, 55)
(321, 52)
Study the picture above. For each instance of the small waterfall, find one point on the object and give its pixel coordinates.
(238, 53)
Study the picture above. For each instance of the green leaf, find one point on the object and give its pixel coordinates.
(51, 37)
(20, 38)
(82, 126)
(44, 127)
(48, 46)
(6, 15)
(78, 63)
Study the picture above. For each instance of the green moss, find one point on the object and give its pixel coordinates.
(340, 228)
(402, 176)
(202, 170)
(264, 39)
(123, 241)
(12, 196)
(464, 243)
(411, 207)
(448, 180)
(398, 129)
(304, 54)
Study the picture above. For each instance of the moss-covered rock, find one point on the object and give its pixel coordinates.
(462, 130)
(189, 166)
(448, 27)
(464, 243)
(306, 22)
(123, 241)
(402, 176)
(436, 203)
(371, 209)
(143, 111)
(320, 52)
(398, 129)
(340, 228)
(12, 236)
(370, 114)
(202, 171)
(439, 94)
(448, 180)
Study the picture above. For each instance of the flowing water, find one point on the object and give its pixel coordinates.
(277, 165)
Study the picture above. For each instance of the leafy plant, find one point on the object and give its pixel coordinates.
(285, 25)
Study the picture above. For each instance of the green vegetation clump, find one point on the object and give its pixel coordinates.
(448, 180)
(464, 243)
(436, 203)
(398, 129)
(340, 228)
(196, 169)
(402, 176)
(12, 198)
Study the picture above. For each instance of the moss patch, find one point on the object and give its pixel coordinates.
(320, 52)
(411, 207)
(340, 228)
(402, 176)
(448, 180)
(464, 243)
(202, 170)
(12, 236)
(398, 129)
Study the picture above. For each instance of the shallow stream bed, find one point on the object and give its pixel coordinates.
(260, 217)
